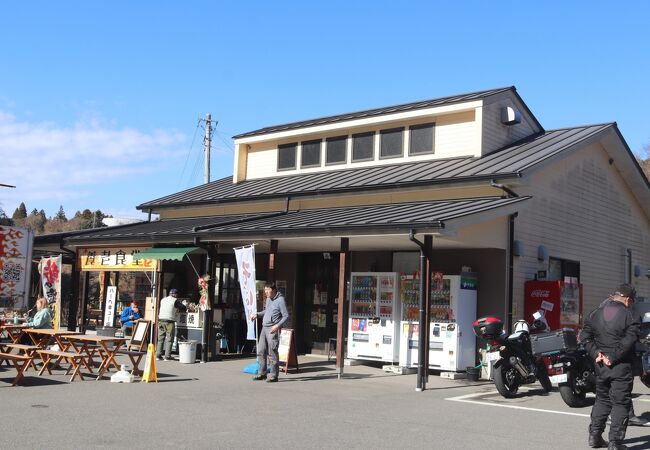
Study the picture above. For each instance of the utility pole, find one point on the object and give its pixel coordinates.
(207, 143)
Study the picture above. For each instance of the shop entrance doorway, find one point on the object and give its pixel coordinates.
(316, 301)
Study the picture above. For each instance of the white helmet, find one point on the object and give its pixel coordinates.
(646, 318)
(520, 325)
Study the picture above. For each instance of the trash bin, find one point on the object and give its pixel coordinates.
(187, 352)
(472, 373)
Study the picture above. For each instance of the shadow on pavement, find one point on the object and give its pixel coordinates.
(637, 443)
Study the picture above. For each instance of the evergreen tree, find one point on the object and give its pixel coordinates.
(4, 220)
(20, 212)
(60, 216)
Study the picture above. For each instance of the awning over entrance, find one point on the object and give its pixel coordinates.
(164, 253)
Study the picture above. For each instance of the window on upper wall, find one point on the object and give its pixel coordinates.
(392, 143)
(421, 139)
(287, 156)
(559, 269)
(363, 146)
(310, 154)
(336, 150)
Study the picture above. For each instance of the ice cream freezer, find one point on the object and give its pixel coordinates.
(452, 310)
(374, 316)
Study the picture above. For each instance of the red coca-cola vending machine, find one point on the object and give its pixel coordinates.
(559, 301)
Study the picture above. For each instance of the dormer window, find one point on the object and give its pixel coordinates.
(287, 156)
(336, 150)
(421, 139)
(392, 143)
(363, 146)
(310, 154)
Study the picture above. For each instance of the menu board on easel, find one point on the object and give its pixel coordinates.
(287, 350)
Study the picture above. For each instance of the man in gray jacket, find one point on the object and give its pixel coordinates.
(167, 323)
(274, 315)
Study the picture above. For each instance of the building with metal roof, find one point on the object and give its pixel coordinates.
(474, 177)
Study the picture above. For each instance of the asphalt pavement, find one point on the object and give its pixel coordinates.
(216, 405)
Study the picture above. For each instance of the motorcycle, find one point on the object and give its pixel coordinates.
(576, 375)
(514, 362)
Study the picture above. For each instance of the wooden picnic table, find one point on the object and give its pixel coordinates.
(42, 337)
(88, 342)
(13, 332)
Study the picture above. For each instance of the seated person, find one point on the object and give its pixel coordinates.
(130, 314)
(43, 317)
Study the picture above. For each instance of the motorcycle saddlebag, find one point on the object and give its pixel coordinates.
(553, 342)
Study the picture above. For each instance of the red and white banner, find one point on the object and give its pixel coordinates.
(50, 270)
(15, 264)
(246, 267)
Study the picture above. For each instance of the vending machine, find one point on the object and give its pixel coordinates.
(560, 302)
(374, 316)
(452, 311)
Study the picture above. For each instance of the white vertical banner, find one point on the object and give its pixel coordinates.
(246, 268)
(50, 269)
(109, 313)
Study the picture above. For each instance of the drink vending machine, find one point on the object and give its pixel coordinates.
(374, 316)
(560, 302)
(452, 311)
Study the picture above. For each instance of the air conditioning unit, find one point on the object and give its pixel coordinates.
(510, 116)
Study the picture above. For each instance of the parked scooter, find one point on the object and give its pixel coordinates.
(515, 363)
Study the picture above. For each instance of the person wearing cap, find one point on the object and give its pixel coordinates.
(609, 335)
(167, 323)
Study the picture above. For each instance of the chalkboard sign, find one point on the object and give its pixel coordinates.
(287, 350)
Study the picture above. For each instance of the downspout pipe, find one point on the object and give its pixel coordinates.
(421, 380)
(511, 263)
(509, 192)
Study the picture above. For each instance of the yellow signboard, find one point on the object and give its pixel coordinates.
(113, 259)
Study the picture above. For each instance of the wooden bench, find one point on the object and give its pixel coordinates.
(72, 358)
(27, 350)
(19, 362)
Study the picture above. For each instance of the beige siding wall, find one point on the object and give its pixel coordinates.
(333, 201)
(582, 210)
(456, 135)
(497, 135)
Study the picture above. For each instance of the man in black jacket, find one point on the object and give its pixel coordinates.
(609, 336)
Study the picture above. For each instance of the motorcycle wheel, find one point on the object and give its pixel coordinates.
(505, 380)
(572, 396)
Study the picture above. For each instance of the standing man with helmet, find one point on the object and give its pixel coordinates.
(274, 315)
(167, 323)
(609, 335)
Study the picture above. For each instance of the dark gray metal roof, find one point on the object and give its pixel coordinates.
(370, 218)
(381, 111)
(507, 162)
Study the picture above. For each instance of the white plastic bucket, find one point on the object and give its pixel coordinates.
(187, 352)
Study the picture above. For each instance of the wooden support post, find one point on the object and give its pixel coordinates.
(341, 325)
(84, 302)
(272, 254)
(73, 304)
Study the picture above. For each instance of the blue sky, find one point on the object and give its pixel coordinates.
(99, 101)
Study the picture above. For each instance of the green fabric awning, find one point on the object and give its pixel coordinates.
(164, 253)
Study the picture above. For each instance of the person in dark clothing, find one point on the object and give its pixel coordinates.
(609, 335)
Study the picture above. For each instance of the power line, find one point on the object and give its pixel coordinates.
(178, 184)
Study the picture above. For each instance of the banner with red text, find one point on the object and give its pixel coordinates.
(50, 270)
(246, 267)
